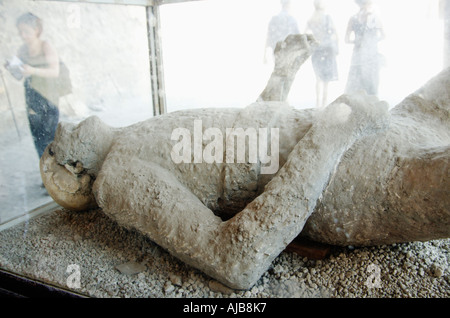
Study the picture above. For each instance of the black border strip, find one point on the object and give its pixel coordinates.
(15, 286)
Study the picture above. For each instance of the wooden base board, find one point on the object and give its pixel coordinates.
(309, 249)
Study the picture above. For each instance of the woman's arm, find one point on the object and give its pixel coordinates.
(52, 70)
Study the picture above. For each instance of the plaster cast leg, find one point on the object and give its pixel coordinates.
(236, 252)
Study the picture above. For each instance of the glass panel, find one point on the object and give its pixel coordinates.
(105, 49)
(213, 50)
(214, 54)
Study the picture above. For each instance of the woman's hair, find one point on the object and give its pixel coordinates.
(31, 20)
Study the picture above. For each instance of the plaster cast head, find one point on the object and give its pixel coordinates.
(86, 143)
(72, 161)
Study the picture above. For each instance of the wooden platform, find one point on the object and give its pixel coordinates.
(309, 249)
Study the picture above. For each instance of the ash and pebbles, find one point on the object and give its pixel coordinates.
(89, 254)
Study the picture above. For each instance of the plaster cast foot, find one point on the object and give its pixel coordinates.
(290, 54)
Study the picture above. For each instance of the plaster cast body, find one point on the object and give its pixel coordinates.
(352, 174)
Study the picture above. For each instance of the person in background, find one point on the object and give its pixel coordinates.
(444, 9)
(41, 69)
(324, 56)
(280, 26)
(364, 31)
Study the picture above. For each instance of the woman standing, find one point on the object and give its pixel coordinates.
(42, 71)
(324, 56)
(364, 31)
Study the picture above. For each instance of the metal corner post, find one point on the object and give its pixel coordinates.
(155, 58)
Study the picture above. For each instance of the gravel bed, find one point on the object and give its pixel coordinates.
(91, 254)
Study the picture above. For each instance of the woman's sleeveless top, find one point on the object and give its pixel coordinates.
(49, 88)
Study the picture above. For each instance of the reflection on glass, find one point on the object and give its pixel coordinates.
(280, 26)
(214, 50)
(64, 62)
(444, 11)
(364, 31)
(323, 59)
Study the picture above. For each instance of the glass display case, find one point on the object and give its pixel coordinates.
(130, 60)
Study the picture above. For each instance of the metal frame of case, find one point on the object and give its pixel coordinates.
(154, 44)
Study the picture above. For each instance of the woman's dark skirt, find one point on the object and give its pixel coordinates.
(43, 117)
